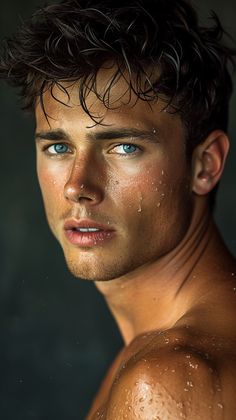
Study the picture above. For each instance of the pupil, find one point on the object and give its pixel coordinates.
(60, 148)
(128, 148)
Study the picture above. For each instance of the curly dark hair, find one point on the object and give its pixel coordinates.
(72, 40)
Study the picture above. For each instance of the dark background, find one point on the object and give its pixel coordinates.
(57, 336)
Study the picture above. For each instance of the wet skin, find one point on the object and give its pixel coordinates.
(164, 269)
(118, 187)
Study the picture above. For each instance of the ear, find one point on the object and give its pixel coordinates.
(208, 162)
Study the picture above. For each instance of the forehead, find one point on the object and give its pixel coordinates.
(110, 104)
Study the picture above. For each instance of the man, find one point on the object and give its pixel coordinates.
(131, 105)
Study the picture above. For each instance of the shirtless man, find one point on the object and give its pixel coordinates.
(131, 106)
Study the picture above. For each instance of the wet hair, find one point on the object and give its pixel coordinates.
(157, 46)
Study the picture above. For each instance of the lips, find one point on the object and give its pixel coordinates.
(85, 238)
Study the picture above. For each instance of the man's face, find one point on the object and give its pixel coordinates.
(130, 175)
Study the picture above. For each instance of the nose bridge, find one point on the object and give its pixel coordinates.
(83, 182)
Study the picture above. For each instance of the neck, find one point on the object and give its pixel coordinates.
(156, 295)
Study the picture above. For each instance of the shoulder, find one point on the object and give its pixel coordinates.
(172, 381)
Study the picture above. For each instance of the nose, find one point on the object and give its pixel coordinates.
(83, 185)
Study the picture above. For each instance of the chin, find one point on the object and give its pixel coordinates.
(97, 271)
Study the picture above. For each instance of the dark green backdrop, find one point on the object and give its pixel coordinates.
(57, 336)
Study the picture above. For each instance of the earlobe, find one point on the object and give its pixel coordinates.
(208, 162)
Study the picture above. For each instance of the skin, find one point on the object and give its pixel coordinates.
(165, 270)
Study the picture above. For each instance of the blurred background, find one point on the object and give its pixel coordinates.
(57, 336)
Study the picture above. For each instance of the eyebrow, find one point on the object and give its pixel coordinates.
(107, 134)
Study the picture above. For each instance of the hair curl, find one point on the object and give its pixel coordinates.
(71, 40)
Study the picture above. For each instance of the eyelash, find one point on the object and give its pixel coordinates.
(46, 149)
(127, 144)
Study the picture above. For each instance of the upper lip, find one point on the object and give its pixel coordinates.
(84, 223)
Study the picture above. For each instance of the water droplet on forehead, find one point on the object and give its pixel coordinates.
(82, 186)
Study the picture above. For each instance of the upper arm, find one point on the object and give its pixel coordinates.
(179, 385)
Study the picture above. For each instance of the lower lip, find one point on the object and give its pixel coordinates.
(88, 238)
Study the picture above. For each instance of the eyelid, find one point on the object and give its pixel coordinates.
(46, 147)
(127, 144)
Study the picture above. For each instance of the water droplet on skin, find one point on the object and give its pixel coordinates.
(220, 405)
(193, 366)
(154, 131)
(232, 274)
(162, 172)
(188, 356)
(140, 205)
(173, 370)
(158, 204)
(141, 399)
(82, 186)
(234, 289)
(160, 182)
(167, 340)
(190, 384)
(129, 408)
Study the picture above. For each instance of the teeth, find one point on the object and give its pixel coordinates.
(87, 229)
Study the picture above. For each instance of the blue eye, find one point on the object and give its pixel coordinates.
(58, 148)
(129, 148)
(125, 149)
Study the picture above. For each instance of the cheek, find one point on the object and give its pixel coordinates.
(52, 187)
(139, 189)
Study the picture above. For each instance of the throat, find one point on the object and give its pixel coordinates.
(157, 295)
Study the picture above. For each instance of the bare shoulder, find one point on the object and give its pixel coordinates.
(172, 377)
